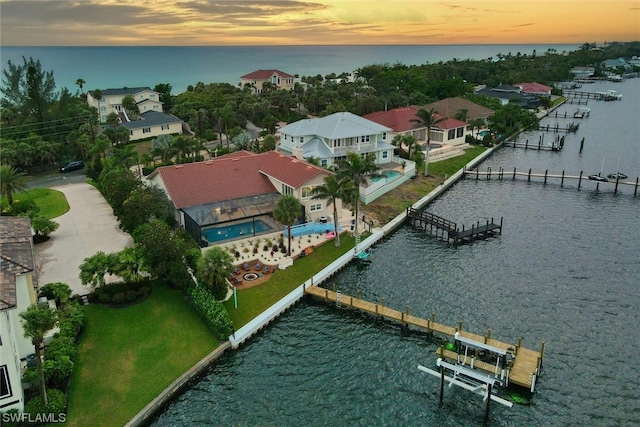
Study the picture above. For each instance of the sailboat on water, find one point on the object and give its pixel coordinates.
(599, 176)
(618, 175)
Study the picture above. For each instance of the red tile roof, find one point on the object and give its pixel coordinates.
(398, 119)
(450, 123)
(533, 88)
(232, 176)
(266, 75)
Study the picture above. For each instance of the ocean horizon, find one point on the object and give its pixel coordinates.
(105, 67)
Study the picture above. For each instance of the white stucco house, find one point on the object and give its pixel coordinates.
(329, 139)
(152, 124)
(18, 284)
(111, 101)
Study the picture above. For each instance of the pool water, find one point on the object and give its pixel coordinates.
(388, 176)
(226, 232)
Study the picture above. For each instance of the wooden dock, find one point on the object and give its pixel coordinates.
(546, 176)
(526, 364)
(449, 230)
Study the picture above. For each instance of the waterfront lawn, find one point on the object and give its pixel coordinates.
(127, 356)
(52, 203)
(255, 300)
(389, 205)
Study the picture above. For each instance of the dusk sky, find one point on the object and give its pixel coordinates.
(315, 22)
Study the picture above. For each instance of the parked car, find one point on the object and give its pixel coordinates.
(72, 166)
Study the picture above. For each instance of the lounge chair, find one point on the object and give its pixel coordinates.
(266, 269)
(246, 266)
(258, 266)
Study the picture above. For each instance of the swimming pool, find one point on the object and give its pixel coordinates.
(226, 232)
(388, 176)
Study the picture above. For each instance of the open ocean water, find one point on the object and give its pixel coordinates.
(181, 66)
(565, 270)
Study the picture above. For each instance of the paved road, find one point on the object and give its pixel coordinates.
(88, 227)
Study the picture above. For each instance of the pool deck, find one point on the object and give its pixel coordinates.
(298, 243)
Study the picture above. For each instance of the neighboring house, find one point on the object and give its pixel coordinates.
(239, 188)
(111, 101)
(401, 121)
(329, 139)
(449, 107)
(152, 124)
(509, 93)
(582, 72)
(275, 78)
(18, 284)
(535, 89)
(619, 64)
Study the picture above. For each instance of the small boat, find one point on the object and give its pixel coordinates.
(598, 177)
(617, 175)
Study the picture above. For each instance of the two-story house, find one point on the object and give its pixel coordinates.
(111, 101)
(261, 79)
(329, 139)
(18, 284)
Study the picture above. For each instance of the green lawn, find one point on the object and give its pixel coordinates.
(255, 300)
(127, 356)
(52, 203)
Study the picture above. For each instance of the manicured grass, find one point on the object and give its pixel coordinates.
(52, 203)
(127, 356)
(391, 204)
(257, 299)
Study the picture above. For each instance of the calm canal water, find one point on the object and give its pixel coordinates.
(566, 270)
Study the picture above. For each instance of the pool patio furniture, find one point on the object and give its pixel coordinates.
(258, 266)
(246, 266)
(266, 269)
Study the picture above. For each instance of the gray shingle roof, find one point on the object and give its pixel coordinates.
(151, 118)
(16, 256)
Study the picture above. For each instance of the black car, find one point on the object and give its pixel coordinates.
(72, 166)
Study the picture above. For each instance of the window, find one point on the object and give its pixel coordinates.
(103, 108)
(384, 136)
(302, 140)
(146, 130)
(164, 127)
(385, 154)
(286, 190)
(130, 133)
(459, 132)
(315, 208)
(307, 192)
(364, 138)
(5, 385)
(324, 163)
(451, 134)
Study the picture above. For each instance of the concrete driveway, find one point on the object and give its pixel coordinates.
(88, 227)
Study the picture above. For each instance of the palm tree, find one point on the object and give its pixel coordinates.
(36, 321)
(212, 271)
(11, 181)
(428, 119)
(357, 170)
(287, 211)
(80, 82)
(332, 190)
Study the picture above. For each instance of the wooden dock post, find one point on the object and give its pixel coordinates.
(615, 189)
(542, 349)
(581, 144)
(518, 344)
(580, 180)
(486, 413)
(635, 190)
(562, 180)
(441, 379)
(529, 176)
(545, 176)
(514, 174)
(488, 336)
(326, 294)
(459, 326)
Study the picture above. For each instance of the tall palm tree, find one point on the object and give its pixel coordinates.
(428, 119)
(80, 82)
(357, 170)
(11, 181)
(287, 211)
(212, 270)
(333, 189)
(36, 321)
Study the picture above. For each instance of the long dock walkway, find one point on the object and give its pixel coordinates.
(449, 230)
(526, 365)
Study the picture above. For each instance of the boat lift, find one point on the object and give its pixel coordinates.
(468, 378)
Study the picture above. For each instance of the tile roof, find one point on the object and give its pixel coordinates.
(16, 256)
(335, 126)
(232, 176)
(449, 107)
(533, 88)
(450, 123)
(266, 75)
(398, 119)
(151, 118)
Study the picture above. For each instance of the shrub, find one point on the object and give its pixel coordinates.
(71, 319)
(213, 312)
(57, 291)
(61, 346)
(57, 371)
(8, 420)
(119, 293)
(56, 404)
